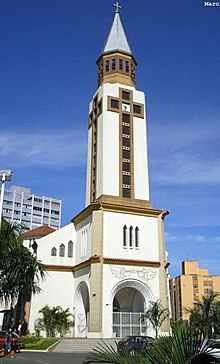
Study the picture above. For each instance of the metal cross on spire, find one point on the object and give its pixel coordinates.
(117, 7)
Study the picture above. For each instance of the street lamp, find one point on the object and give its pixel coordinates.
(5, 175)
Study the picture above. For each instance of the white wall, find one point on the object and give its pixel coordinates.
(113, 236)
(83, 240)
(57, 290)
(108, 148)
(55, 239)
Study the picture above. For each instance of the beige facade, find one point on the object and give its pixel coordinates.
(189, 287)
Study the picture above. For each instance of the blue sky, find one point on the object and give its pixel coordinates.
(48, 75)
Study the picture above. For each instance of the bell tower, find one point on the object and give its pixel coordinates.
(117, 165)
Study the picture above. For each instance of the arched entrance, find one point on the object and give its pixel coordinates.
(130, 299)
(81, 310)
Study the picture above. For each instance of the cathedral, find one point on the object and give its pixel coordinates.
(110, 261)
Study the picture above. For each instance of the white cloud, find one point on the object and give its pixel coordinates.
(183, 237)
(44, 148)
(196, 238)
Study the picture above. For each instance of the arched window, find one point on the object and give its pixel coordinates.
(125, 236)
(131, 236)
(62, 250)
(137, 237)
(70, 249)
(53, 252)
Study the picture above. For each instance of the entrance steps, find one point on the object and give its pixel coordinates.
(81, 345)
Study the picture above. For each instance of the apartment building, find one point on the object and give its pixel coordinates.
(24, 207)
(189, 287)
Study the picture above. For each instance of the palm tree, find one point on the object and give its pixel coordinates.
(202, 314)
(48, 321)
(20, 271)
(216, 317)
(156, 314)
(54, 320)
(64, 322)
(184, 346)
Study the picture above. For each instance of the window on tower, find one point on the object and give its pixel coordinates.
(125, 118)
(120, 64)
(126, 192)
(126, 142)
(127, 66)
(113, 64)
(126, 94)
(126, 154)
(126, 180)
(114, 104)
(126, 166)
(137, 109)
(125, 130)
(107, 66)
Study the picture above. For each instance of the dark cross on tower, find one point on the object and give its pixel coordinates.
(117, 7)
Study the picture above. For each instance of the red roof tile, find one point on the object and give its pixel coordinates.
(38, 232)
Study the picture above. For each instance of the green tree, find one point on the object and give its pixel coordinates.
(48, 321)
(216, 317)
(20, 271)
(54, 320)
(203, 314)
(184, 346)
(156, 314)
(64, 321)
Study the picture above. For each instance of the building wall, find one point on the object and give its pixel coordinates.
(108, 153)
(54, 240)
(113, 236)
(188, 288)
(20, 205)
(56, 290)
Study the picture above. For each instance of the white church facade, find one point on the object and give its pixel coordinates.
(110, 261)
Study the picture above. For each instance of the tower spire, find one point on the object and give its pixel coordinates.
(116, 62)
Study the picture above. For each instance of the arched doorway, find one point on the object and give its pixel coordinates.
(130, 299)
(81, 310)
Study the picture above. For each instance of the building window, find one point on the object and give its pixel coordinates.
(131, 236)
(127, 66)
(62, 250)
(126, 154)
(125, 130)
(70, 249)
(126, 142)
(126, 192)
(120, 64)
(53, 252)
(107, 66)
(113, 64)
(126, 180)
(125, 236)
(126, 118)
(114, 104)
(126, 95)
(137, 237)
(126, 167)
(137, 109)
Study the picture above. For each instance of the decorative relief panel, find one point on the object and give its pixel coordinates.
(146, 274)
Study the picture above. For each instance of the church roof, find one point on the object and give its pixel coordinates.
(38, 232)
(116, 39)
